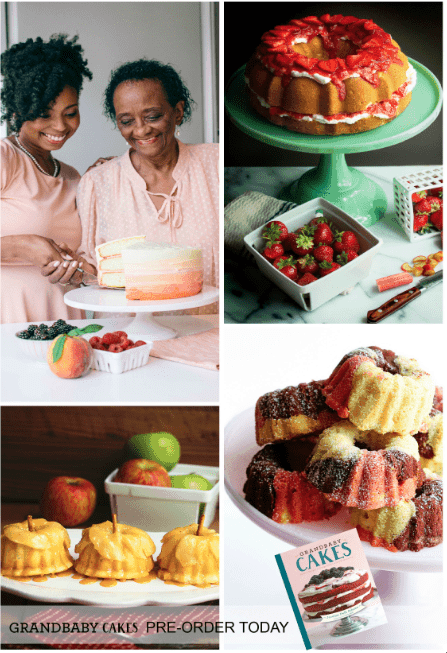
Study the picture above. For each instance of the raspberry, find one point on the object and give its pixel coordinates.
(125, 343)
(94, 340)
(110, 339)
(139, 343)
(116, 348)
(121, 334)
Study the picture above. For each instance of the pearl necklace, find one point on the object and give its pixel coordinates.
(55, 161)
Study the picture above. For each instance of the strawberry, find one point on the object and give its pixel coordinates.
(327, 267)
(435, 192)
(323, 234)
(324, 253)
(302, 245)
(428, 205)
(275, 231)
(346, 257)
(307, 264)
(273, 250)
(287, 265)
(436, 219)
(345, 240)
(416, 197)
(420, 222)
(318, 219)
(306, 278)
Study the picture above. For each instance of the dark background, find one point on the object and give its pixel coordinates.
(415, 26)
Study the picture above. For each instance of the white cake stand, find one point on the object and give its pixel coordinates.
(94, 298)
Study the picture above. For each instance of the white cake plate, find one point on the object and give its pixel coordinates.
(94, 298)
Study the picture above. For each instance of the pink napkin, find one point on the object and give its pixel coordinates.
(201, 349)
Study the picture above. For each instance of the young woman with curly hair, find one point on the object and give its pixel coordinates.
(160, 187)
(40, 223)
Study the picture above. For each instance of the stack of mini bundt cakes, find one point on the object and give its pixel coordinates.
(355, 440)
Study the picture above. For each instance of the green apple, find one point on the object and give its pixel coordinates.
(191, 482)
(162, 447)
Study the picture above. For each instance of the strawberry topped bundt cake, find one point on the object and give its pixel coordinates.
(364, 469)
(330, 75)
(380, 391)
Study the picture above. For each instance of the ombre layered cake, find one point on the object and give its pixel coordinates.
(162, 271)
(109, 262)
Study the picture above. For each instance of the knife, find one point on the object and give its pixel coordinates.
(397, 302)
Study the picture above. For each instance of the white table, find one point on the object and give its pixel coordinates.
(27, 381)
(252, 299)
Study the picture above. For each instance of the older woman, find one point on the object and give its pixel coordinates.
(160, 187)
(41, 229)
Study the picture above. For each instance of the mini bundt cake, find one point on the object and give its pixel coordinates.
(334, 590)
(364, 469)
(410, 526)
(380, 391)
(430, 444)
(112, 550)
(294, 411)
(190, 556)
(281, 494)
(35, 547)
(332, 75)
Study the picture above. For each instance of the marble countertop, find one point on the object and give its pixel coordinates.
(252, 299)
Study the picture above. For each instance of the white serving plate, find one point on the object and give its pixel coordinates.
(318, 292)
(128, 594)
(240, 447)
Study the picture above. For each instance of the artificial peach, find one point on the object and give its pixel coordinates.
(69, 356)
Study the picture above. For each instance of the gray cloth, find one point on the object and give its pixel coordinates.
(246, 213)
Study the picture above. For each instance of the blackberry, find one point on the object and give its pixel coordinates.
(24, 334)
(32, 328)
(52, 333)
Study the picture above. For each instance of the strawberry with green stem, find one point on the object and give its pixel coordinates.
(275, 231)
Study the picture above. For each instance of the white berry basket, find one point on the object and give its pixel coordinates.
(339, 282)
(122, 361)
(404, 187)
(164, 508)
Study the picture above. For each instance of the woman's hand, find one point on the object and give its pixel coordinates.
(63, 273)
(32, 248)
(100, 161)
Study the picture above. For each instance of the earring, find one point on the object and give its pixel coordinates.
(177, 133)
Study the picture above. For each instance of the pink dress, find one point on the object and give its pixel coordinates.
(34, 203)
(113, 202)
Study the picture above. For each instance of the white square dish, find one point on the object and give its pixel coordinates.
(164, 508)
(322, 290)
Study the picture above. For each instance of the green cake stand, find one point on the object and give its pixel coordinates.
(333, 179)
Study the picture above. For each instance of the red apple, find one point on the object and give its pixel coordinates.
(143, 472)
(68, 500)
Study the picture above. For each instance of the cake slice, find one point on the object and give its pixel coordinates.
(110, 262)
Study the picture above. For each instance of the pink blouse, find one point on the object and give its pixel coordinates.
(35, 203)
(113, 202)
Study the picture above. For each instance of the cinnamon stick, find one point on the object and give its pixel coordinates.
(30, 523)
(201, 520)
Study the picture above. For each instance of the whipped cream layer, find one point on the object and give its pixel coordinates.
(384, 110)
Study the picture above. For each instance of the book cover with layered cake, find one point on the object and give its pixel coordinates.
(331, 589)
